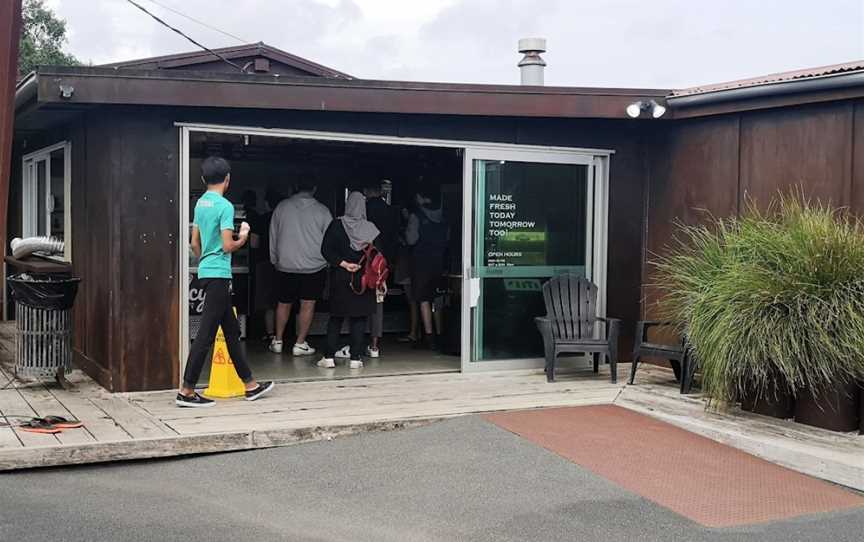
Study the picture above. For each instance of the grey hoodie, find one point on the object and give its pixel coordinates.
(296, 232)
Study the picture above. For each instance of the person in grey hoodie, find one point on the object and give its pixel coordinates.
(296, 231)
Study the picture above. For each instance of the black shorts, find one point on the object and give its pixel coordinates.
(289, 287)
(424, 283)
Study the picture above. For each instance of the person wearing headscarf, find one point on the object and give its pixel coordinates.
(343, 245)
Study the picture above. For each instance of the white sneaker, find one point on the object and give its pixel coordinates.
(355, 364)
(372, 352)
(326, 363)
(303, 349)
(344, 352)
(276, 346)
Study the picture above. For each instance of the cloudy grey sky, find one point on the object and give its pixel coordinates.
(630, 43)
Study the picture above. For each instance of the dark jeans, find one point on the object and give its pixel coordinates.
(217, 312)
(358, 332)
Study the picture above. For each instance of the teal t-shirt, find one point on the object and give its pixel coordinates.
(213, 213)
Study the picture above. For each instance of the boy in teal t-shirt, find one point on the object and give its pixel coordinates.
(213, 242)
(213, 215)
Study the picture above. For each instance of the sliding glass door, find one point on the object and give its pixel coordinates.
(534, 215)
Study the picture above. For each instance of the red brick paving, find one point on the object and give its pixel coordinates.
(710, 483)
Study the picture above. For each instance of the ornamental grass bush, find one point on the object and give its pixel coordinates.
(772, 301)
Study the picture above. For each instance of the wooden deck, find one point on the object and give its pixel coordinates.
(148, 425)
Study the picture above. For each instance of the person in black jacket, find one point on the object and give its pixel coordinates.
(429, 235)
(264, 299)
(342, 247)
(387, 220)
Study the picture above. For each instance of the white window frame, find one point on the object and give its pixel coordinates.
(30, 194)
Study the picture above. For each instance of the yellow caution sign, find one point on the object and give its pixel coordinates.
(224, 382)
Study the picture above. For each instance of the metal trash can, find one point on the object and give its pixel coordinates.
(43, 324)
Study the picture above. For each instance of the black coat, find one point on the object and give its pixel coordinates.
(336, 248)
(386, 219)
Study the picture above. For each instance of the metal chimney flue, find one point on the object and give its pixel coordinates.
(532, 64)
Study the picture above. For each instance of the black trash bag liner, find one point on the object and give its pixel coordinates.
(44, 291)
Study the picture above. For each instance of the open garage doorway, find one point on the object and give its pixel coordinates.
(267, 169)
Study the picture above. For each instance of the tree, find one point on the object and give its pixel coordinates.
(43, 35)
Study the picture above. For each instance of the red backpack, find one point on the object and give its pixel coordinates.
(375, 271)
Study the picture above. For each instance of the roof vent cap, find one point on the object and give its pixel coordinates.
(532, 64)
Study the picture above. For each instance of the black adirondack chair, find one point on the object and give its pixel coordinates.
(570, 321)
(679, 355)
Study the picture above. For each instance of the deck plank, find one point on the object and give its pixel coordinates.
(406, 411)
(133, 420)
(100, 425)
(44, 403)
(167, 411)
(292, 398)
(16, 410)
(7, 437)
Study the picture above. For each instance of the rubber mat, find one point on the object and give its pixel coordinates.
(708, 482)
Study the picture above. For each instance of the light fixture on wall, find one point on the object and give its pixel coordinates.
(635, 109)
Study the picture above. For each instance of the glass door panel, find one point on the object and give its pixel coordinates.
(42, 188)
(56, 195)
(533, 220)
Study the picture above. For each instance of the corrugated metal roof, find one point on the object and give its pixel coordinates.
(781, 77)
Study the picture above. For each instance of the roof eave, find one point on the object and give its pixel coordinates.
(26, 90)
(796, 91)
(192, 89)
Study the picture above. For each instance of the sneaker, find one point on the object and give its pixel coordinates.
(344, 352)
(326, 363)
(193, 401)
(259, 392)
(355, 364)
(428, 342)
(372, 352)
(303, 349)
(276, 346)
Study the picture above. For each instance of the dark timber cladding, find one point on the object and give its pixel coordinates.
(125, 249)
(719, 164)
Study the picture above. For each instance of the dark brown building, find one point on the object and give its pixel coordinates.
(534, 181)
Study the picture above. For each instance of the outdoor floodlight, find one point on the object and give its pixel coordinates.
(634, 110)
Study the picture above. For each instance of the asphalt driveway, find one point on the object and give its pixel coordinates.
(463, 479)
